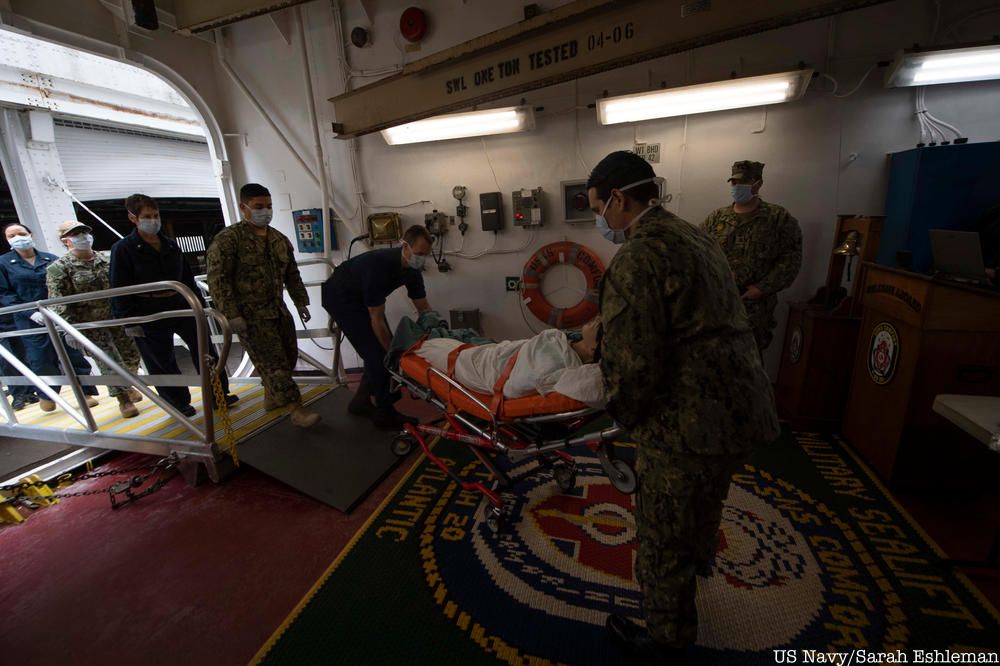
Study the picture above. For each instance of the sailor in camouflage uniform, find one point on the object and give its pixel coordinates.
(683, 376)
(763, 244)
(80, 271)
(249, 265)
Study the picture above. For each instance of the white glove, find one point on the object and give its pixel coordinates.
(304, 313)
(135, 332)
(38, 318)
(239, 325)
(72, 342)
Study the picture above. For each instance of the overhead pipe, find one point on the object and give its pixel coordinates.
(257, 105)
(317, 138)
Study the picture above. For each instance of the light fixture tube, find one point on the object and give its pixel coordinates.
(704, 98)
(928, 68)
(461, 125)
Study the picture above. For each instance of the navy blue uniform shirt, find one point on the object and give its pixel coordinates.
(20, 282)
(369, 278)
(134, 261)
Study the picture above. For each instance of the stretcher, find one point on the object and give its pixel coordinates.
(533, 427)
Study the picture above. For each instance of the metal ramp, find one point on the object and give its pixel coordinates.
(338, 461)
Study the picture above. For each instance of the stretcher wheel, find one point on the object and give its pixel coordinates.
(565, 477)
(624, 477)
(402, 445)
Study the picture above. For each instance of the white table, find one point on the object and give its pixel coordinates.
(978, 415)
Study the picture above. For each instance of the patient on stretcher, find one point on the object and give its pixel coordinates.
(548, 362)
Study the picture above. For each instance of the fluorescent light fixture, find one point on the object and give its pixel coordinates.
(460, 125)
(927, 68)
(704, 98)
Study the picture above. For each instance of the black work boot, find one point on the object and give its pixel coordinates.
(387, 418)
(361, 403)
(640, 647)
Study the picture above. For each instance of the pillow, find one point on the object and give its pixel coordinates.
(435, 351)
(585, 384)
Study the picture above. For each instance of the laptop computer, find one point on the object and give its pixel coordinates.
(958, 255)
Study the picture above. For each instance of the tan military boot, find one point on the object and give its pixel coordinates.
(46, 405)
(126, 407)
(269, 404)
(134, 395)
(302, 417)
(91, 401)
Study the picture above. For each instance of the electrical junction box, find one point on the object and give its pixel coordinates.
(309, 230)
(491, 210)
(436, 223)
(576, 205)
(527, 207)
(466, 318)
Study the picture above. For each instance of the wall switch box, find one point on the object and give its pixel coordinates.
(527, 207)
(491, 210)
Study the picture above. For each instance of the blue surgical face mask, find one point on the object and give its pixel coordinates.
(22, 243)
(149, 225)
(82, 241)
(741, 192)
(617, 236)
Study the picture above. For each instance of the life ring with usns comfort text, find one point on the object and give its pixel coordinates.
(584, 259)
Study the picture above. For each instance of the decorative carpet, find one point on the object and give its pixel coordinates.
(813, 555)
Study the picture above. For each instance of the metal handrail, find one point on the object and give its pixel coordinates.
(85, 417)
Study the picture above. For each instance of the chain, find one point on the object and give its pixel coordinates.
(164, 465)
(68, 478)
(229, 440)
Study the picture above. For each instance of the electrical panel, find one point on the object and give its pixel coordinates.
(491, 210)
(436, 223)
(309, 230)
(576, 205)
(527, 207)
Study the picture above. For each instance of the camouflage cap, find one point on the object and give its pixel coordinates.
(71, 225)
(747, 170)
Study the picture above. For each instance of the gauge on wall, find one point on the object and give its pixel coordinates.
(459, 192)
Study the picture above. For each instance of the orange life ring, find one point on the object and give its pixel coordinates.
(562, 253)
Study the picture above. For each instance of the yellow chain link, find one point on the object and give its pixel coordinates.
(229, 440)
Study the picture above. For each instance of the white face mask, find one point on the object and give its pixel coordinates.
(22, 243)
(149, 225)
(260, 217)
(617, 236)
(82, 241)
(415, 261)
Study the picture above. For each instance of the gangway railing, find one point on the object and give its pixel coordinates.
(201, 449)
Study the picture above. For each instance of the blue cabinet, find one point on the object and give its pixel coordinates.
(941, 187)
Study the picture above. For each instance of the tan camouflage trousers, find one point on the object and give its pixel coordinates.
(678, 512)
(274, 352)
(120, 348)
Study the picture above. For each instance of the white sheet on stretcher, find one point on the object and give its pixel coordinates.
(545, 363)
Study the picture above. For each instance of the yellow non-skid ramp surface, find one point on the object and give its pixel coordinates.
(247, 415)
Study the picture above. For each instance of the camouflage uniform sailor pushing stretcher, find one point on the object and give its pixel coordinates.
(683, 376)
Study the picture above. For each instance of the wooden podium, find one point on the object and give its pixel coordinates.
(821, 335)
(919, 337)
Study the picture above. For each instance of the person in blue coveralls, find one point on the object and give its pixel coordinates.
(22, 280)
(355, 297)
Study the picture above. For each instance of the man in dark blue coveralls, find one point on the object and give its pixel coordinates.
(148, 255)
(355, 297)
